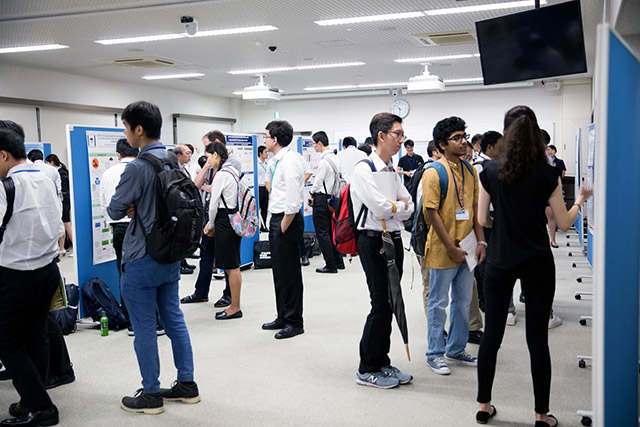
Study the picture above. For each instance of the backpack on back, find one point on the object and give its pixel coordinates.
(338, 184)
(245, 220)
(176, 231)
(96, 297)
(345, 224)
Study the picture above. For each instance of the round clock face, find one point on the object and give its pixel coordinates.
(400, 107)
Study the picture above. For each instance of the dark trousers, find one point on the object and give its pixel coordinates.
(376, 337)
(24, 346)
(322, 224)
(479, 272)
(286, 269)
(119, 230)
(263, 196)
(538, 278)
(59, 361)
(207, 256)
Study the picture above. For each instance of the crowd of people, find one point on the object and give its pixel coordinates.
(483, 203)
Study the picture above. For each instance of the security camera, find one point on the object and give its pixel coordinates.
(190, 25)
(394, 92)
(273, 48)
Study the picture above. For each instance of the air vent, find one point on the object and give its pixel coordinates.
(142, 62)
(336, 43)
(445, 39)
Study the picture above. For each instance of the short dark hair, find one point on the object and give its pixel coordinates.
(145, 114)
(553, 147)
(368, 141)
(545, 136)
(281, 130)
(216, 135)
(321, 137)
(382, 122)
(444, 128)
(11, 125)
(125, 149)
(35, 155)
(190, 148)
(261, 150)
(489, 138)
(348, 141)
(476, 138)
(431, 147)
(366, 148)
(220, 148)
(12, 143)
(409, 143)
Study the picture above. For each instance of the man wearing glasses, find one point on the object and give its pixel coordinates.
(452, 218)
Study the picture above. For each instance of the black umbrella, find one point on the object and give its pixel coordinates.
(395, 291)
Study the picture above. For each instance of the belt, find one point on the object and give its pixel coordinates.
(373, 233)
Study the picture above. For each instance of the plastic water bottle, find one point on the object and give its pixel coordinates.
(104, 324)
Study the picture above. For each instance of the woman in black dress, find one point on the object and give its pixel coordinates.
(519, 184)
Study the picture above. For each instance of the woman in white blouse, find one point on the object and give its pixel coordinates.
(224, 201)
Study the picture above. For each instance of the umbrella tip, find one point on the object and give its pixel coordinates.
(406, 346)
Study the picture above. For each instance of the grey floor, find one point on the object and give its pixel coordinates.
(247, 378)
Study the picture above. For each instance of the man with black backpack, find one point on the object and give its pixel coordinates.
(148, 282)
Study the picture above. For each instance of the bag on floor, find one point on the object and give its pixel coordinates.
(97, 297)
(67, 317)
(261, 254)
(245, 220)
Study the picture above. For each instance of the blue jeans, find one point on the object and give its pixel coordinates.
(147, 284)
(460, 280)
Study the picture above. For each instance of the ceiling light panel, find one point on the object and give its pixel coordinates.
(483, 7)
(244, 30)
(36, 48)
(359, 86)
(173, 76)
(297, 68)
(172, 36)
(438, 58)
(371, 18)
(141, 39)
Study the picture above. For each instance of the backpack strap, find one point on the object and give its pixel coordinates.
(442, 175)
(365, 210)
(230, 172)
(10, 190)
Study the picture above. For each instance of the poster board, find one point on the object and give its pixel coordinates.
(579, 223)
(591, 152)
(305, 147)
(45, 147)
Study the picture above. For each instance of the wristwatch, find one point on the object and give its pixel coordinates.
(483, 243)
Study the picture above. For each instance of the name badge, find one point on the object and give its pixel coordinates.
(462, 215)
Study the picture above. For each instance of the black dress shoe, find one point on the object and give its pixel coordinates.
(193, 298)
(4, 375)
(475, 337)
(276, 324)
(326, 270)
(17, 410)
(304, 261)
(341, 267)
(48, 417)
(222, 302)
(185, 264)
(185, 270)
(224, 316)
(288, 332)
(58, 380)
(482, 417)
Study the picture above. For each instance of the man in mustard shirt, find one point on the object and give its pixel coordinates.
(451, 219)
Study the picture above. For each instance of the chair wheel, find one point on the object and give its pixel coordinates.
(579, 280)
(583, 322)
(578, 297)
(570, 254)
(574, 265)
(582, 364)
(585, 421)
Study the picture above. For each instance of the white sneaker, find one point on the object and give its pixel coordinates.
(554, 322)
(512, 319)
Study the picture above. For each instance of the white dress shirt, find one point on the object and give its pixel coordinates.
(347, 160)
(481, 158)
(364, 190)
(325, 177)
(224, 184)
(52, 173)
(263, 170)
(108, 183)
(31, 237)
(287, 182)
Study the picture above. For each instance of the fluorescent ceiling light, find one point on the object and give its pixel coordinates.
(173, 36)
(298, 68)
(483, 7)
(371, 18)
(360, 86)
(438, 58)
(469, 80)
(32, 48)
(173, 76)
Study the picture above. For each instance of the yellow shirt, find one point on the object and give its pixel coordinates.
(435, 254)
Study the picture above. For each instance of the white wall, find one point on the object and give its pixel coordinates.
(483, 110)
(31, 83)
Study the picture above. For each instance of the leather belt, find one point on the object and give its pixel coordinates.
(373, 233)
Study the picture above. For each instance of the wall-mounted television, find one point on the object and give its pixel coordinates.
(536, 44)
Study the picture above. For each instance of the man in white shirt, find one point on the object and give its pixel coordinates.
(263, 192)
(375, 368)
(285, 229)
(322, 189)
(30, 276)
(348, 157)
(37, 158)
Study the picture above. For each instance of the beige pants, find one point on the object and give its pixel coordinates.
(475, 316)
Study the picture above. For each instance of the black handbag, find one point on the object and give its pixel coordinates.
(261, 254)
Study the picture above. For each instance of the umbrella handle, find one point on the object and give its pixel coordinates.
(384, 225)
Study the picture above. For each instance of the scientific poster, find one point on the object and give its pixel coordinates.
(591, 175)
(101, 147)
(241, 147)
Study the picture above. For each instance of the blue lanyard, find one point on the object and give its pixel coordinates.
(410, 160)
(455, 183)
(25, 170)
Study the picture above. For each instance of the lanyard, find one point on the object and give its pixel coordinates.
(410, 160)
(24, 170)
(276, 166)
(455, 183)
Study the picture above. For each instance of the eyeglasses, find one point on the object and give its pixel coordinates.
(458, 138)
(268, 137)
(397, 133)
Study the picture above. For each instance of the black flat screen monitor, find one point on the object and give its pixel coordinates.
(535, 44)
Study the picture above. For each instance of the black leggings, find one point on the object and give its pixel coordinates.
(538, 279)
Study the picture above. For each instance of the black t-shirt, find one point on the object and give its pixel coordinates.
(559, 163)
(519, 225)
(408, 164)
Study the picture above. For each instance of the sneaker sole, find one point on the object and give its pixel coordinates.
(461, 362)
(439, 372)
(368, 384)
(189, 400)
(406, 382)
(147, 411)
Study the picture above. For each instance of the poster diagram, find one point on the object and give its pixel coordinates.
(310, 156)
(102, 155)
(241, 146)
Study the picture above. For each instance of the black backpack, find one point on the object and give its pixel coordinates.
(96, 297)
(176, 231)
(412, 187)
(67, 317)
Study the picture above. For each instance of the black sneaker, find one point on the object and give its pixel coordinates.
(150, 404)
(184, 392)
(58, 380)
